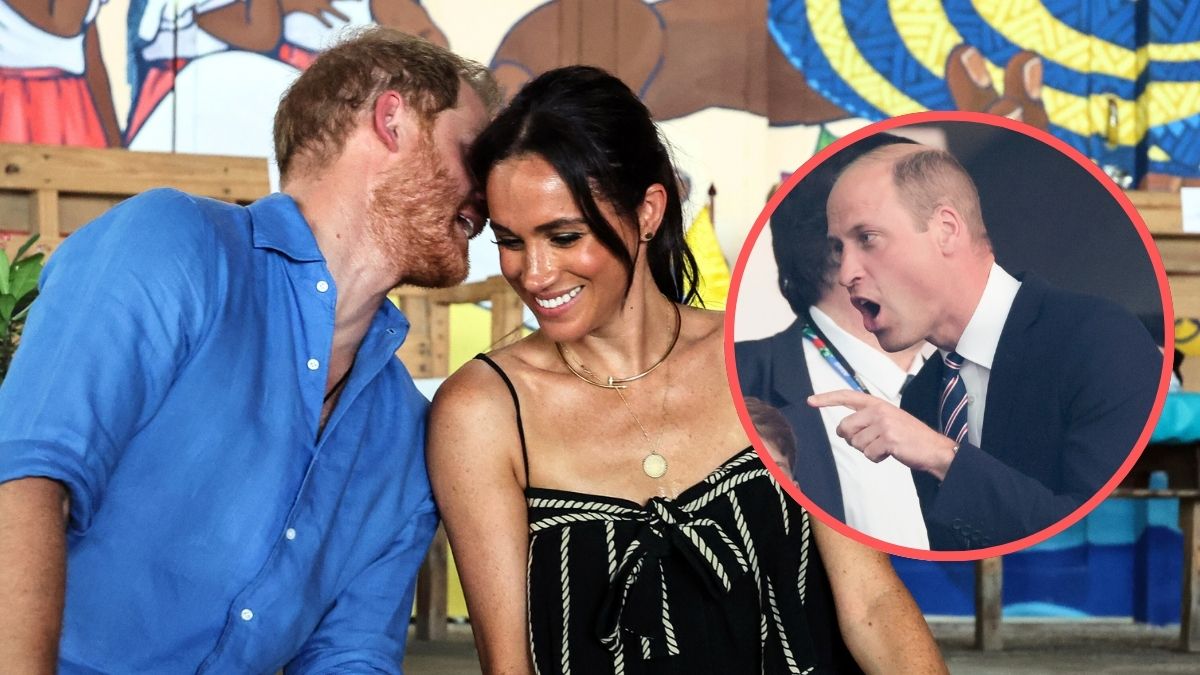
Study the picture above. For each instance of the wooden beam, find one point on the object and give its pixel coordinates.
(124, 173)
(989, 584)
(1189, 521)
(432, 590)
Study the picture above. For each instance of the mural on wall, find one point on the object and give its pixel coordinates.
(53, 85)
(746, 91)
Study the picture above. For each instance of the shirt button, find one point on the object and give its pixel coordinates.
(247, 615)
(970, 398)
(290, 534)
(322, 286)
(313, 364)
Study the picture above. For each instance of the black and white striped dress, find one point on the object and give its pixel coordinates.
(725, 579)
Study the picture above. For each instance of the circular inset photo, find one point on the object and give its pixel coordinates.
(947, 331)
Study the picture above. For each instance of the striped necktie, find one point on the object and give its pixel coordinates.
(952, 409)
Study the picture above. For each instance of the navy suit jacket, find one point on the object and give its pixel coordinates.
(1072, 384)
(774, 371)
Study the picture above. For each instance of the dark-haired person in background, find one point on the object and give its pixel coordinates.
(827, 349)
(605, 511)
(1039, 394)
(206, 435)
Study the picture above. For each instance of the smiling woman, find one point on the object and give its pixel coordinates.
(604, 508)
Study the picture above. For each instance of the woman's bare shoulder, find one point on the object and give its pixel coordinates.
(703, 326)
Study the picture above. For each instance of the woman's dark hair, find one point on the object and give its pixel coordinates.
(601, 141)
(799, 230)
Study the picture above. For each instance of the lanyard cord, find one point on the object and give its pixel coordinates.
(831, 355)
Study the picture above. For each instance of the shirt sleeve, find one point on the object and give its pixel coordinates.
(121, 304)
(366, 629)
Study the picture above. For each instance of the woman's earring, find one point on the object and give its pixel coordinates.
(647, 236)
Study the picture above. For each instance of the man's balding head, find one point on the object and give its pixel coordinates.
(926, 178)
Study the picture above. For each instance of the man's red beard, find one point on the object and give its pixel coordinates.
(412, 217)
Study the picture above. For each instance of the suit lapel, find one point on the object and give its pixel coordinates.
(1004, 382)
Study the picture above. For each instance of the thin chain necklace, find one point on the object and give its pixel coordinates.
(654, 464)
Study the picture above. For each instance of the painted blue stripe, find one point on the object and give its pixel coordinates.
(788, 24)
(874, 32)
(1174, 21)
(1109, 20)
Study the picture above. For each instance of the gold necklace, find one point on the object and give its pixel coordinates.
(654, 464)
(619, 383)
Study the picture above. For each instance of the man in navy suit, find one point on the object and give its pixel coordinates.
(1039, 394)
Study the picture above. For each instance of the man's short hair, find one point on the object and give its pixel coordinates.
(932, 177)
(318, 111)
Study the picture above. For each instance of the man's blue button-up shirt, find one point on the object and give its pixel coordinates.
(171, 375)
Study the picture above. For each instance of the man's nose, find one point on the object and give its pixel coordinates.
(849, 269)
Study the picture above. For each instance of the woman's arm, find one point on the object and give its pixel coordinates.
(881, 624)
(475, 465)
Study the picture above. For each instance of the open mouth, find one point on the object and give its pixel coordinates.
(869, 310)
(558, 300)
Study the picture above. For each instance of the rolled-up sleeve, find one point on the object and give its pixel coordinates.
(121, 305)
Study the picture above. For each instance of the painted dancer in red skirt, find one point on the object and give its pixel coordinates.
(53, 86)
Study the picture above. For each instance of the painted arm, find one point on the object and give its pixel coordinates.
(881, 624)
(407, 16)
(63, 18)
(252, 25)
(474, 457)
(33, 569)
(97, 79)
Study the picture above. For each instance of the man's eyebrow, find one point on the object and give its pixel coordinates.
(547, 226)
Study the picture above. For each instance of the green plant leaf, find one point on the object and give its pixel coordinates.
(25, 277)
(25, 247)
(4, 274)
(7, 302)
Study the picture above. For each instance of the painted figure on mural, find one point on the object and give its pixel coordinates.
(53, 86)
(309, 29)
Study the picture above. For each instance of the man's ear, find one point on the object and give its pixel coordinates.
(950, 229)
(393, 120)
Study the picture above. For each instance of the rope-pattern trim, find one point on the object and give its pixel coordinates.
(722, 488)
(801, 586)
(578, 505)
(555, 521)
(611, 545)
(783, 641)
(730, 466)
(737, 552)
(787, 525)
(566, 608)
(668, 629)
(529, 606)
(752, 557)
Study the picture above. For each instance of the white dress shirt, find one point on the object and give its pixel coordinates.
(880, 499)
(978, 344)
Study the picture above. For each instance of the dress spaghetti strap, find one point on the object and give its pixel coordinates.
(516, 404)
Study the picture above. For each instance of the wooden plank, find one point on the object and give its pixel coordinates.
(45, 210)
(476, 291)
(1189, 521)
(417, 350)
(125, 173)
(1161, 210)
(1180, 253)
(508, 313)
(988, 603)
(76, 210)
(439, 338)
(433, 590)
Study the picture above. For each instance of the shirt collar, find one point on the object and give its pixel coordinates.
(982, 334)
(872, 364)
(278, 224)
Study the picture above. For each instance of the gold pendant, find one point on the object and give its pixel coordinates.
(654, 465)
